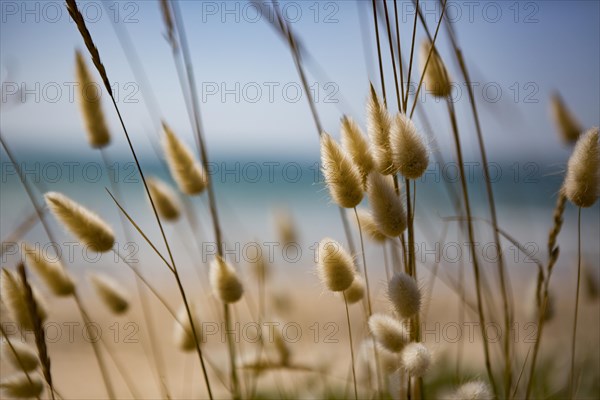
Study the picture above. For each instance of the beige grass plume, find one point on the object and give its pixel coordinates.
(357, 146)
(369, 227)
(225, 281)
(335, 266)
(411, 155)
(185, 169)
(582, 183)
(436, 80)
(379, 125)
(416, 359)
(388, 332)
(404, 294)
(111, 293)
(182, 332)
(13, 296)
(19, 386)
(568, 126)
(341, 175)
(52, 273)
(286, 228)
(356, 291)
(386, 206)
(24, 357)
(90, 104)
(474, 390)
(85, 225)
(166, 201)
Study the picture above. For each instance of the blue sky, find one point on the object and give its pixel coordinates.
(519, 52)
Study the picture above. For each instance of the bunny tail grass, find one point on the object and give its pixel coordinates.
(341, 175)
(90, 105)
(21, 355)
(415, 359)
(436, 79)
(474, 390)
(404, 294)
(368, 225)
(568, 127)
(357, 146)
(111, 293)
(86, 226)
(53, 274)
(379, 127)
(356, 291)
(335, 266)
(582, 183)
(167, 203)
(185, 169)
(13, 296)
(225, 281)
(386, 207)
(411, 155)
(20, 386)
(388, 332)
(182, 332)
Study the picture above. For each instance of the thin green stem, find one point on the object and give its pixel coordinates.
(572, 389)
(351, 346)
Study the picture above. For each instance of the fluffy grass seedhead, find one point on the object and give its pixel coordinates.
(182, 332)
(369, 227)
(90, 105)
(86, 226)
(23, 356)
(341, 175)
(225, 281)
(286, 228)
(411, 155)
(165, 199)
(404, 294)
(185, 169)
(356, 291)
(111, 293)
(20, 387)
(388, 332)
(474, 390)
(335, 266)
(53, 274)
(386, 206)
(357, 145)
(415, 359)
(13, 296)
(569, 128)
(437, 80)
(379, 127)
(582, 183)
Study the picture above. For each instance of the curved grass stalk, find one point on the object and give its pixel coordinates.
(351, 346)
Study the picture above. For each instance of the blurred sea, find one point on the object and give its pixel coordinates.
(250, 191)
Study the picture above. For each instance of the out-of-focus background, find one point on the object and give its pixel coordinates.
(260, 134)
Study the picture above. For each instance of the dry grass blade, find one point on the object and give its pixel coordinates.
(89, 43)
(38, 329)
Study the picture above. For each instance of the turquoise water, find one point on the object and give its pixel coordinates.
(248, 193)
